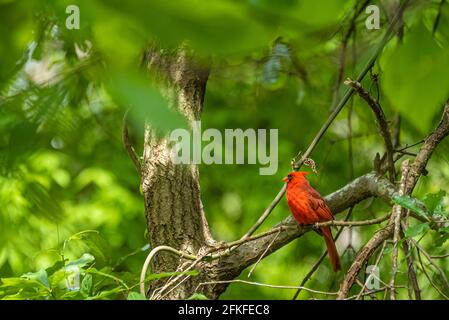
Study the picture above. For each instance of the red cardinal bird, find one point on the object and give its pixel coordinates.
(308, 207)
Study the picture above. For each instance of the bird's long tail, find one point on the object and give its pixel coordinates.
(331, 249)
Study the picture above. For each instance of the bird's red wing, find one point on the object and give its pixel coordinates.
(318, 204)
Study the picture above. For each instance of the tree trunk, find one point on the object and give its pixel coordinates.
(172, 193)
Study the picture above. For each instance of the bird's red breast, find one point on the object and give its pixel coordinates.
(308, 207)
(306, 203)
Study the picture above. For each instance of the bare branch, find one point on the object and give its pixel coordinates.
(432, 263)
(379, 257)
(412, 278)
(442, 256)
(128, 146)
(408, 251)
(430, 278)
(381, 121)
(396, 216)
(267, 286)
(344, 46)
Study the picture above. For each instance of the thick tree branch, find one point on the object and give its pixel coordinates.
(366, 186)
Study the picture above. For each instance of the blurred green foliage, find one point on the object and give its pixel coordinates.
(63, 95)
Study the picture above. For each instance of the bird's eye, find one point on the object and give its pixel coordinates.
(289, 177)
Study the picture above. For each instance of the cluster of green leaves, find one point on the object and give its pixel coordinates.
(430, 208)
(87, 278)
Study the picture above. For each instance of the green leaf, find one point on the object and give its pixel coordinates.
(84, 260)
(105, 274)
(145, 102)
(156, 276)
(320, 13)
(96, 244)
(444, 230)
(197, 296)
(208, 26)
(415, 77)
(441, 240)
(107, 294)
(22, 283)
(416, 230)
(42, 202)
(388, 249)
(86, 285)
(136, 296)
(40, 276)
(98, 247)
(410, 203)
(434, 201)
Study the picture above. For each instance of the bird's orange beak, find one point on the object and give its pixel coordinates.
(285, 179)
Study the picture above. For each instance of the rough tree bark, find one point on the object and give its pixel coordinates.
(172, 193)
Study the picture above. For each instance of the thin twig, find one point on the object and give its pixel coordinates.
(352, 223)
(357, 296)
(407, 247)
(263, 254)
(344, 46)
(128, 146)
(412, 278)
(267, 212)
(438, 17)
(150, 257)
(443, 256)
(410, 146)
(379, 257)
(381, 120)
(435, 265)
(430, 278)
(266, 286)
(396, 220)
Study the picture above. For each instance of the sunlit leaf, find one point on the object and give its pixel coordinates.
(135, 296)
(197, 296)
(434, 201)
(416, 230)
(415, 77)
(411, 203)
(145, 102)
(84, 260)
